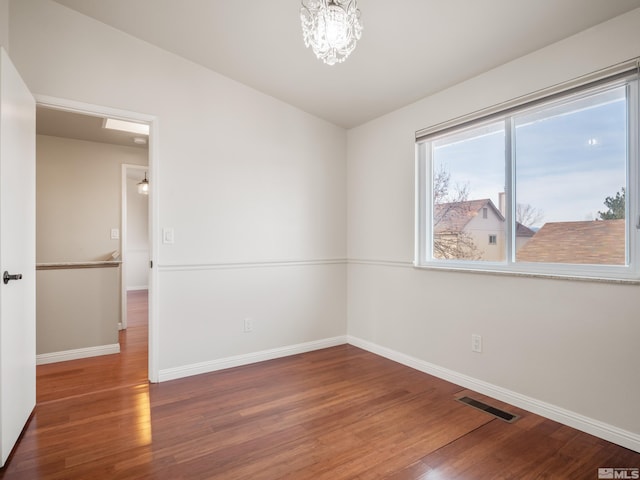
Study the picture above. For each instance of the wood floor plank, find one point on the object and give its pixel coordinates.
(336, 414)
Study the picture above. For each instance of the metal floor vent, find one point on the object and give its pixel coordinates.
(496, 412)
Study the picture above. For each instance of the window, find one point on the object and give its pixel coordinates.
(554, 181)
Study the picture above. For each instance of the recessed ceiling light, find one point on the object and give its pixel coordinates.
(125, 126)
(139, 141)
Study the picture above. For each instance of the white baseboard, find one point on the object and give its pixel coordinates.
(76, 354)
(238, 360)
(139, 287)
(580, 422)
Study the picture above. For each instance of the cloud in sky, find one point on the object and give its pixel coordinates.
(569, 158)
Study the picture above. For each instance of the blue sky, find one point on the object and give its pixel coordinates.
(569, 158)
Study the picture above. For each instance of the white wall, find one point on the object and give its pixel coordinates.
(137, 247)
(571, 344)
(242, 178)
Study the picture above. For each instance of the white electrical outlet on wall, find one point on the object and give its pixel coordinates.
(476, 343)
(248, 325)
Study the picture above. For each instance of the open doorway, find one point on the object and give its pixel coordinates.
(135, 235)
(63, 124)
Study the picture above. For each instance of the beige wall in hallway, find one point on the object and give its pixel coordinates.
(78, 197)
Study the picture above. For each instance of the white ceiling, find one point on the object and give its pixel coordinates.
(409, 48)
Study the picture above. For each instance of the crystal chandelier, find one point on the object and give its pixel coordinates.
(331, 28)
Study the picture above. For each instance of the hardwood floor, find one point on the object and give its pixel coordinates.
(62, 380)
(338, 413)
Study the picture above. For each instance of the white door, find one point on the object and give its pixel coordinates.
(17, 255)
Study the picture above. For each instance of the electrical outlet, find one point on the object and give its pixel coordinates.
(476, 343)
(248, 325)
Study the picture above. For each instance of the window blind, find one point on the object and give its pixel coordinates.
(608, 74)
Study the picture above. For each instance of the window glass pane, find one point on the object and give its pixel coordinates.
(570, 166)
(468, 204)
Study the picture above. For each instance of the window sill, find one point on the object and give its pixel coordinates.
(552, 276)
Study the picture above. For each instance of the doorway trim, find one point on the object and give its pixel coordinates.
(102, 111)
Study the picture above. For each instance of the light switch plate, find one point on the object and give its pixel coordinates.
(115, 234)
(167, 235)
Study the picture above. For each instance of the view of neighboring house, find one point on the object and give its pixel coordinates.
(523, 235)
(474, 230)
(596, 242)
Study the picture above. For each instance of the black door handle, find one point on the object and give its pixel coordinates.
(6, 277)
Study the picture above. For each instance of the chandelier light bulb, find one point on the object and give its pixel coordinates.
(336, 27)
(331, 28)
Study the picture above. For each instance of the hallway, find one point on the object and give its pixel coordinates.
(62, 380)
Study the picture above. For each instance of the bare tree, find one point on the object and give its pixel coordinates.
(528, 215)
(450, 210)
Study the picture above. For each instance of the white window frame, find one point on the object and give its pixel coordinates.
(423, 257)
